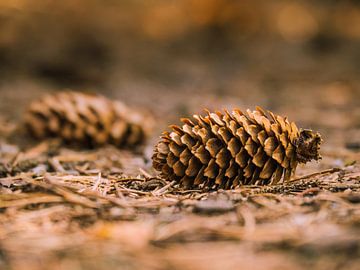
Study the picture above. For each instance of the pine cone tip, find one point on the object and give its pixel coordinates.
(308, 146)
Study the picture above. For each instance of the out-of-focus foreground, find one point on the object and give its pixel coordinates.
(300, 59)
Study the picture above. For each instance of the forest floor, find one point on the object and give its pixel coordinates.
(64, 208)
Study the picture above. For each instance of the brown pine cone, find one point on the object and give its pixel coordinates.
(225, 150)
(87, 119)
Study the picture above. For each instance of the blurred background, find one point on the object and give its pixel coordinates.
(297, 58)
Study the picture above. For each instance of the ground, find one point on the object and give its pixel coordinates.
(94, 209)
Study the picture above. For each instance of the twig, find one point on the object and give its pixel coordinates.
(66, 193)
(191, 191)
(55, 163)
(163, 190)
(97, 182)
(119, 202)
(145, 173)
(35, 200)
(129, 190)
(315, 174)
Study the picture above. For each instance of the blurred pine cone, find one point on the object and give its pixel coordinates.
(223, 150)
(87, 119)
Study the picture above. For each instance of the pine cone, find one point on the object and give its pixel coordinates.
(223, 150)
(84, 118)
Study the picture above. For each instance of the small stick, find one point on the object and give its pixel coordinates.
(55, 163)
(97, 182)
(163, 189)
(63, 191)
(332, 170)
(145, 173)
(134, 191)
